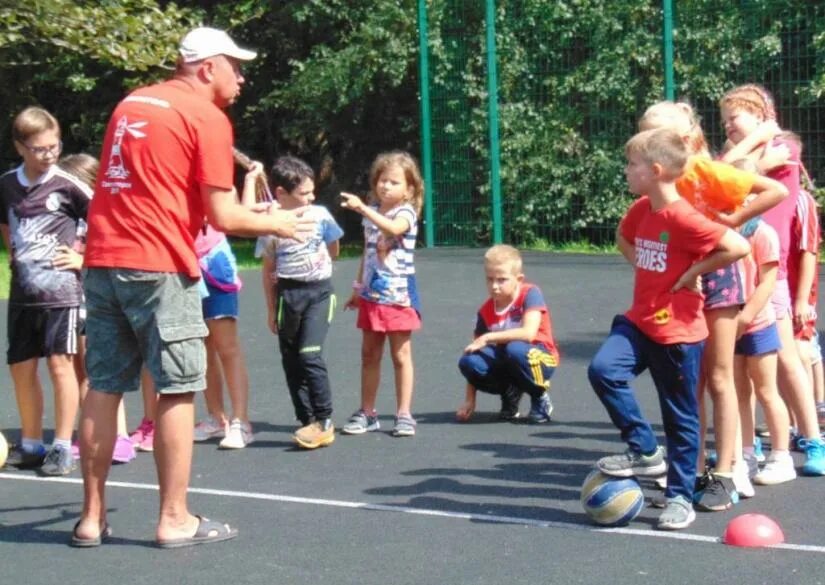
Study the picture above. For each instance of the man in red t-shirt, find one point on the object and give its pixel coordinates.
(166, 165)
(670, 245)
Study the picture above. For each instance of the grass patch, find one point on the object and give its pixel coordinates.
(244, 249)
(580, 247)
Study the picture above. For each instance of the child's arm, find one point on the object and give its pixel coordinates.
(527, 332)
(627, 249)
(357, 285)
(763, 133)
(760, 297)
(67, 258)
(768, 194)
(731, 247)
(267, 269)
(334, 249)
(802, 311)
(468, 407)
(393, 227)
(250, 180)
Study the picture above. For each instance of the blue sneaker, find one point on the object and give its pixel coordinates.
(757, 450)
(797, 441)
(814, 457)
(710, 458)
(540, 409)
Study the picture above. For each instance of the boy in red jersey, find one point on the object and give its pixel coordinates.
(513, 350)
(670, 245)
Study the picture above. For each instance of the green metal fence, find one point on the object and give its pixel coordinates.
(529, 102)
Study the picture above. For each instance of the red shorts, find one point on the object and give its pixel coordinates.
(387, 318)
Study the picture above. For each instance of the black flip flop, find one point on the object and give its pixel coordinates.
(208, 531)
(77, 542)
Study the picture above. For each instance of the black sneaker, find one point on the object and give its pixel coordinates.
(23, 459)
(718, 495)
(510, 399)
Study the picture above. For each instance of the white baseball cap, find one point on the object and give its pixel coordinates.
(205, 42)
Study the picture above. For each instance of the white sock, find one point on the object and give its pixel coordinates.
(31, 445)
(65, 443)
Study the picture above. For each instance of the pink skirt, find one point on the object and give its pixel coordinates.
(387, 318)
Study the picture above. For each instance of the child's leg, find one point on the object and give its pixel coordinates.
(793, 382)
(80, 367)
(29, 395)
(675, 371)
(468, 407)
(372, 349)
(744, 392)
(150, 397)
(314, 327)
(213, 395)
(617, 362)
(66, 394)
(718, 362)
(762, 371)
(483, 370)
(529, 366)
(402, 361)
(122, 429)
(224, 336)
(289, 316)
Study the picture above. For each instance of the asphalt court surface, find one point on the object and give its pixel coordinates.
(482, 502)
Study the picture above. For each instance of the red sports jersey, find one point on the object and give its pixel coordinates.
(529, 298)
(667, 242)
(163, 142)
(805, 237)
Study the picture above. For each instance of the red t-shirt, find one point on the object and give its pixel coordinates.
(805, 237)
(529, 299)
(162, 143)
(712, 186)
(667, 242)
(781, 215)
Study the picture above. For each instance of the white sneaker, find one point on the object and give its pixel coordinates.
(661, 483)
(208, 428)
(742, 480)
(238, 436)
(752, 462)
(777, 469)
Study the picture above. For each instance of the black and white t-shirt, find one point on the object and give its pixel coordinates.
(40, 217)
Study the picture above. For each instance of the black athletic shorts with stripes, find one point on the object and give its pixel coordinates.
(35, 332)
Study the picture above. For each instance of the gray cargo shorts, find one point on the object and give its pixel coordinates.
(136, 317)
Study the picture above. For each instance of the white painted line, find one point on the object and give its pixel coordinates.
(684, 536)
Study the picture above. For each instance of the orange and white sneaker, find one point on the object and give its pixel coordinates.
(316, 434)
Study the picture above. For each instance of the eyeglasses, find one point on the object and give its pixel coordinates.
(43, 151)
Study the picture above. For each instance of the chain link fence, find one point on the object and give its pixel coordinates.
(572, 79)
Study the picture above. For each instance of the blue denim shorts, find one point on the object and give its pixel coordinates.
(759, 342)
(136, 318)
(219, 304)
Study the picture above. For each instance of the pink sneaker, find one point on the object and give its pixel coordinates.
(144, 435)
(124, 450)
(75, 450)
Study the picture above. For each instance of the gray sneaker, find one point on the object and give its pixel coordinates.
(360, 422)
(678, 514)
(58, 461)
(631, 463)
(404, 426)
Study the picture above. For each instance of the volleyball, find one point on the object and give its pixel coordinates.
(4, 450)
(611, 501)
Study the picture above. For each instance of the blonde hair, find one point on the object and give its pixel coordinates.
(678, 116)
(502, 254)
(32, 121)
(407, 163)
(752, 98)
(81, 165)
(662, 146)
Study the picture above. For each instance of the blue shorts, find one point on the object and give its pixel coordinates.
(759, 342)
(219, 304)
(723, 288)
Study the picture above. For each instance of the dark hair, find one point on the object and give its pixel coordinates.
(288, 172)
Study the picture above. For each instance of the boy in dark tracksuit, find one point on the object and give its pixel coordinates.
(298, 288)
